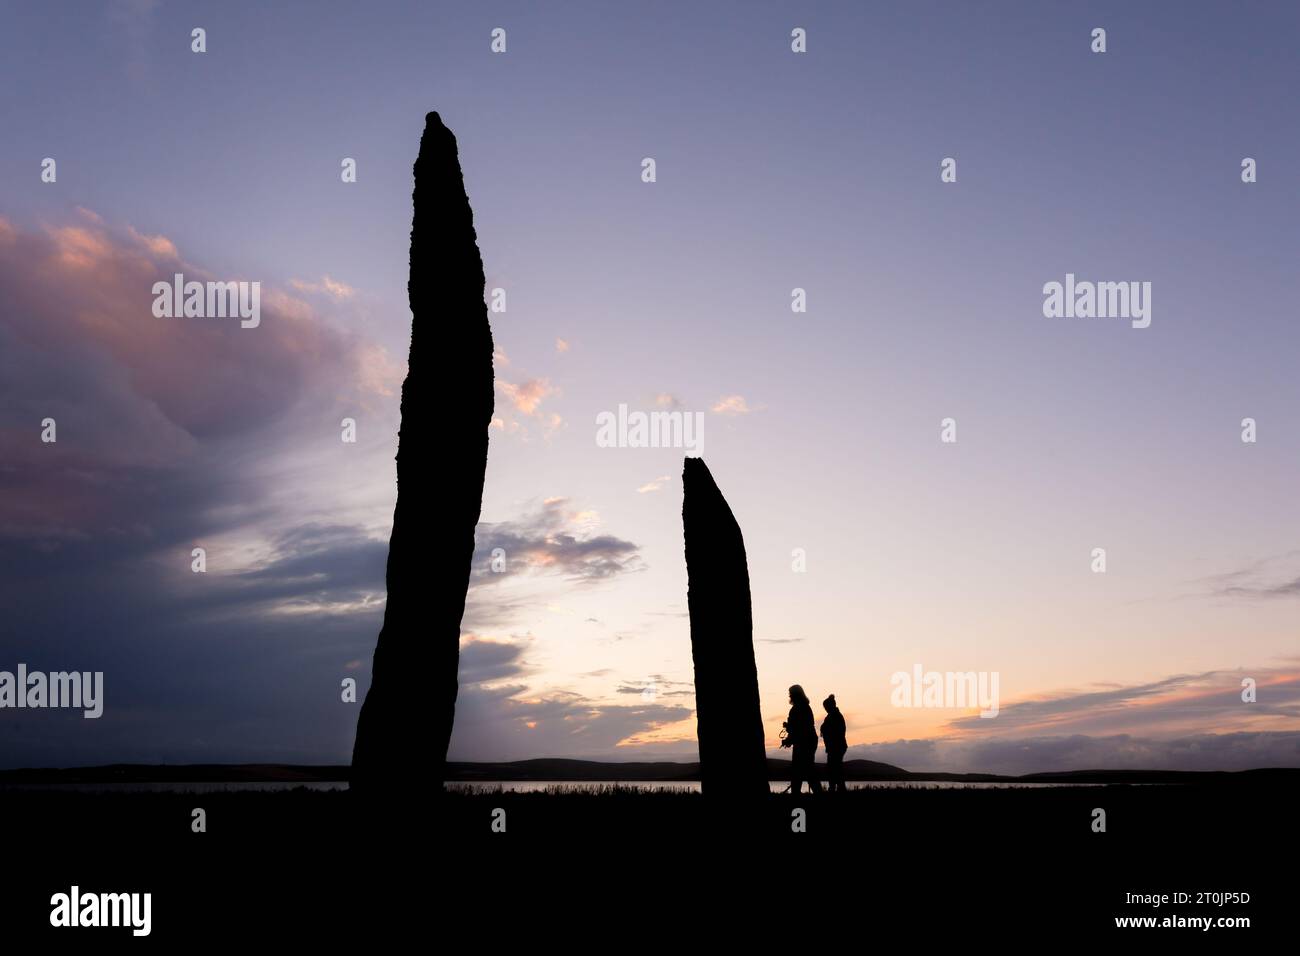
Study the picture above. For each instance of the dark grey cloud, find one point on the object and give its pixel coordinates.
(505, 722)
(486, 610)
(172, 434)
(549, 540)
(197, 667)
(500, 716)
(484, 661)
(1284, 589)
(659, 686)
(1274, 577)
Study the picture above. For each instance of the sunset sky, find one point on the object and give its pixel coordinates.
(775, 170)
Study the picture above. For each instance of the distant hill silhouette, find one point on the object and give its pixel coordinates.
(565, 770)
(665, 771)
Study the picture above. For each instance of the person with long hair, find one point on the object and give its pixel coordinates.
(801, 733)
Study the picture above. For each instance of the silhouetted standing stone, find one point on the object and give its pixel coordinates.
(406, 720)
(733, 759)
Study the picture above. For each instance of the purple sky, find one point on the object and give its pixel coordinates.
(775, 170)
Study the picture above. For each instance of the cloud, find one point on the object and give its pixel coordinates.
(731, 405)
(553, 539)
(561, 346)
(527, 396)
(132, 22)
(526, 399)
(484, 660)
(499, 716)
(546, 551)
(654, 485)
(160, 246)
(658, 686)
(1172, 705)
(176, 433)
(512, 722)
(157, 419)
(311, 569)
(84, 289)
(197, 667)
(1267, 579)
(1046, 754)
(377, 371)
(331, 287)
(1158, 725)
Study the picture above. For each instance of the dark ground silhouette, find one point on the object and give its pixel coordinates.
(958, 867)
(447, 404)
(729, 722)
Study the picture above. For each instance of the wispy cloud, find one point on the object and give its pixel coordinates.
(160, 246)
(523, 409)
(326, 286)
(654, 485)
(731, 405)
(1267, 579)
(526, 397)
(1177, 704)
(132, 22)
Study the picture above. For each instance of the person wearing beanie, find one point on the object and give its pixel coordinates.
(833, 736)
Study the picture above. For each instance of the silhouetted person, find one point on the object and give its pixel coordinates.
(802, 736)
(833, 737)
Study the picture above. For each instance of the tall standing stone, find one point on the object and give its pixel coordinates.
(447, 399)
(733, 758)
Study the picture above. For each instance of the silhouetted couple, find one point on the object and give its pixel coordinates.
(801, 734)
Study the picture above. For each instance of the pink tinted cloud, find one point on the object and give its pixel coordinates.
(144, 405)
(87, 289)
(527, 396)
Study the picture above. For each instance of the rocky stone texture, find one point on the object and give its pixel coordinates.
(447, 400)
(733, 760)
